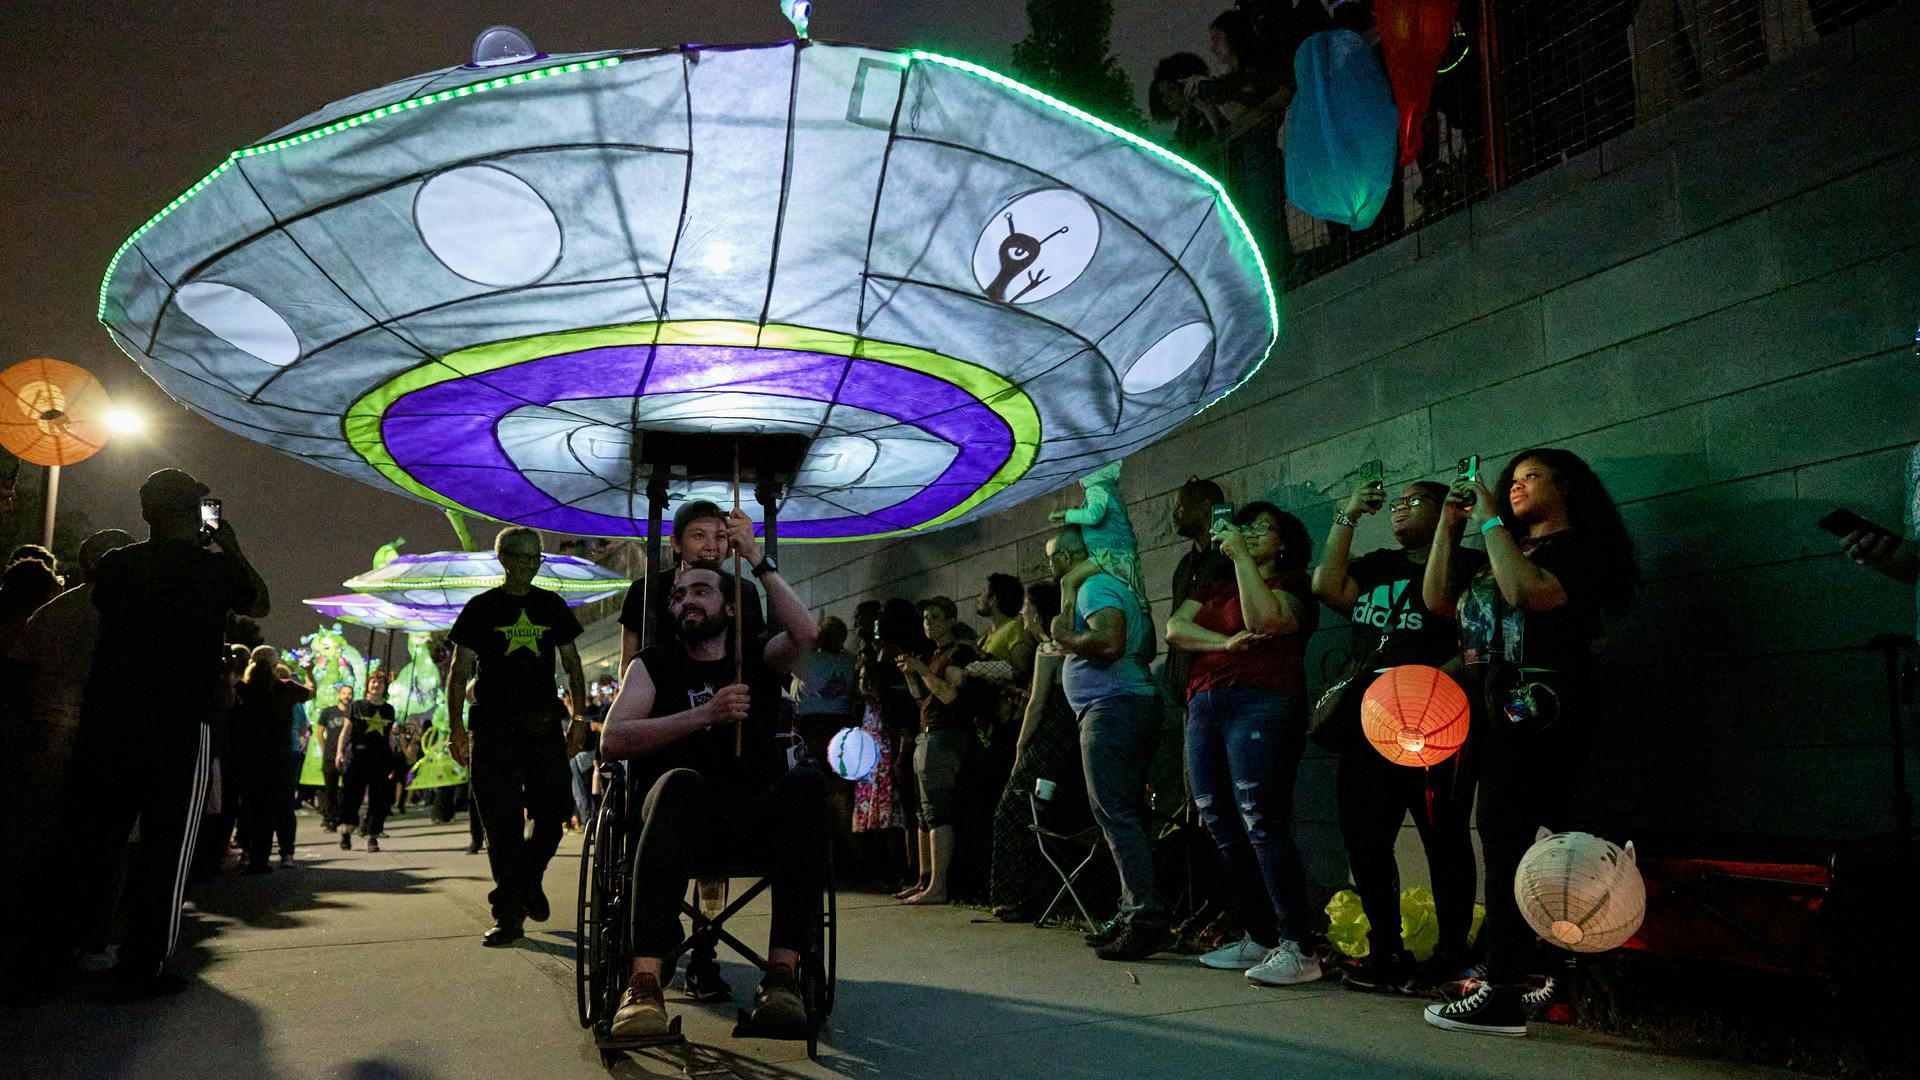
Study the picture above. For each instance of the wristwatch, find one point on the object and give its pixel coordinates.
(1341, 517)
(766, 566)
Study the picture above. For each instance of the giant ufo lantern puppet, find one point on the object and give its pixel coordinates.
(488, 286)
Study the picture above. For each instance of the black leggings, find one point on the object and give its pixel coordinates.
(1375, 796)
(684, 823)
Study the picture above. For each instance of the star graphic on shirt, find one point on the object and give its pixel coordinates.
(523, 634)
(377, 723)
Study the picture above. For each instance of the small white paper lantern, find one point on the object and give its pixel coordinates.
(1580, 892)
(853, 753)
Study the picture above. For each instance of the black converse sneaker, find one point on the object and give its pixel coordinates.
(1538, 999)
(1388, 974)
(1490, 1010)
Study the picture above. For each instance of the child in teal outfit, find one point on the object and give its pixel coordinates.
(1108, 532)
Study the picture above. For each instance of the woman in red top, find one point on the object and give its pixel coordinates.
(1247, 622)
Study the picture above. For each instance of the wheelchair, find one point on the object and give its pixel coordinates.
(602, 944)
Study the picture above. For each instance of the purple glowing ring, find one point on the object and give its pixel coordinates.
(406, 426)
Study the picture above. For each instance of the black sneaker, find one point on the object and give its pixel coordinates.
(1379, 974)
(501, 934)
(473, 847)
(1538, 999)
(1137, 941)
(346, 841)
(1490, 1010)
(1105, 932)
(703, 981)
(777, 1003)
(373, 842)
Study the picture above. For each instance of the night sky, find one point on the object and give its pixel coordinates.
(114, 108)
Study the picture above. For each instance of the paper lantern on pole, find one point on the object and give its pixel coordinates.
(52, 413)
(1414, 715)
(1342, 129)
(1580, 892)
(1414, 35)
(853, 754)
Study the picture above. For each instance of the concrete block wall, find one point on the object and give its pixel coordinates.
(1718, 311)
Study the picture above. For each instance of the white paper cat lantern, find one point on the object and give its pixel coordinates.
(853, 754)
(1580, 892)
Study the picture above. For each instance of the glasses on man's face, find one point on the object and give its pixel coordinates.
(1406, 503)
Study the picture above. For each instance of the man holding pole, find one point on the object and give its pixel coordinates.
(699, 716)
(507, 638)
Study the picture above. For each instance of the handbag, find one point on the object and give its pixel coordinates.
(1334, 725)
(1526, 698)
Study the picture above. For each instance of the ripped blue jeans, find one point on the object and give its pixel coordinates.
(1243, 747)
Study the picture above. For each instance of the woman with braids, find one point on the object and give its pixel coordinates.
(1559, 559)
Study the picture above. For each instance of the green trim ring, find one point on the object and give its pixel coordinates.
(363, 424)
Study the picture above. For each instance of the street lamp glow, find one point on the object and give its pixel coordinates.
(124, 421)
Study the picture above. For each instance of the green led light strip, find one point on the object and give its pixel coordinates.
(1266, 280)
(337, 126)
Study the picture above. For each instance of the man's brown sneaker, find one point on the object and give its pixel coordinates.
(643, 1009)
(777, 1004)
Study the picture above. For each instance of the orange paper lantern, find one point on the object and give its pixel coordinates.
(1414, 715)
(52, 412)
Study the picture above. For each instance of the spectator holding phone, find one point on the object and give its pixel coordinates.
(1247, 623)
(1381, 590)
(1878, 549)
(1559, 559)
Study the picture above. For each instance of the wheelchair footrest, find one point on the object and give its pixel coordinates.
(607, 1041)
(745, 1028)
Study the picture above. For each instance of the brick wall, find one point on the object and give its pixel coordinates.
(1717, 310)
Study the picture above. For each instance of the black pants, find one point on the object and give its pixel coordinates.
(1525, 783)
(266, 803)
(329, 799)
(686, 826)
(157, 774)
(476, 828)
(367, 776)
(517, 775)
(1374, 797)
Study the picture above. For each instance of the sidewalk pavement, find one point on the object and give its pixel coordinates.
(367, 966)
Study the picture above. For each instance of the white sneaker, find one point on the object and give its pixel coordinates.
(1238, 956)
(1285, 966)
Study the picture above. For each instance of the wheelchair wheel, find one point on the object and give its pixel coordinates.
(586, 928)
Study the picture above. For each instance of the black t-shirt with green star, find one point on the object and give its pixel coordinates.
(369, 727)
(514, 640)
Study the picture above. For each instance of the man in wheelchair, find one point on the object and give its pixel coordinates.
(712, 783)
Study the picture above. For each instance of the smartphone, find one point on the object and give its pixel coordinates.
(1222, 515)
(1373, 472)
(1470, 470)
(1843, 521)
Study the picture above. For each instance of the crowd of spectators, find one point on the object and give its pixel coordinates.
(1502, 586)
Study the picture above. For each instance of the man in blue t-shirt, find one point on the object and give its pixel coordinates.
(1108, 640)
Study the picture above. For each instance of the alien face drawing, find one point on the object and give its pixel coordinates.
(1035, 245)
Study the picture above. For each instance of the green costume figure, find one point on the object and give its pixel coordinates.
(416, 687)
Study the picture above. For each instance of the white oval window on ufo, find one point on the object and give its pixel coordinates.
(487, 225)
(1036, 245)
(240, 319)
(1168, 359)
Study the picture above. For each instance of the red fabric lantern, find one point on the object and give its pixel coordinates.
(1414, 715)
(1414, 35)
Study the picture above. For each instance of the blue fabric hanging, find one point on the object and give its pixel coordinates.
(1342, 130)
